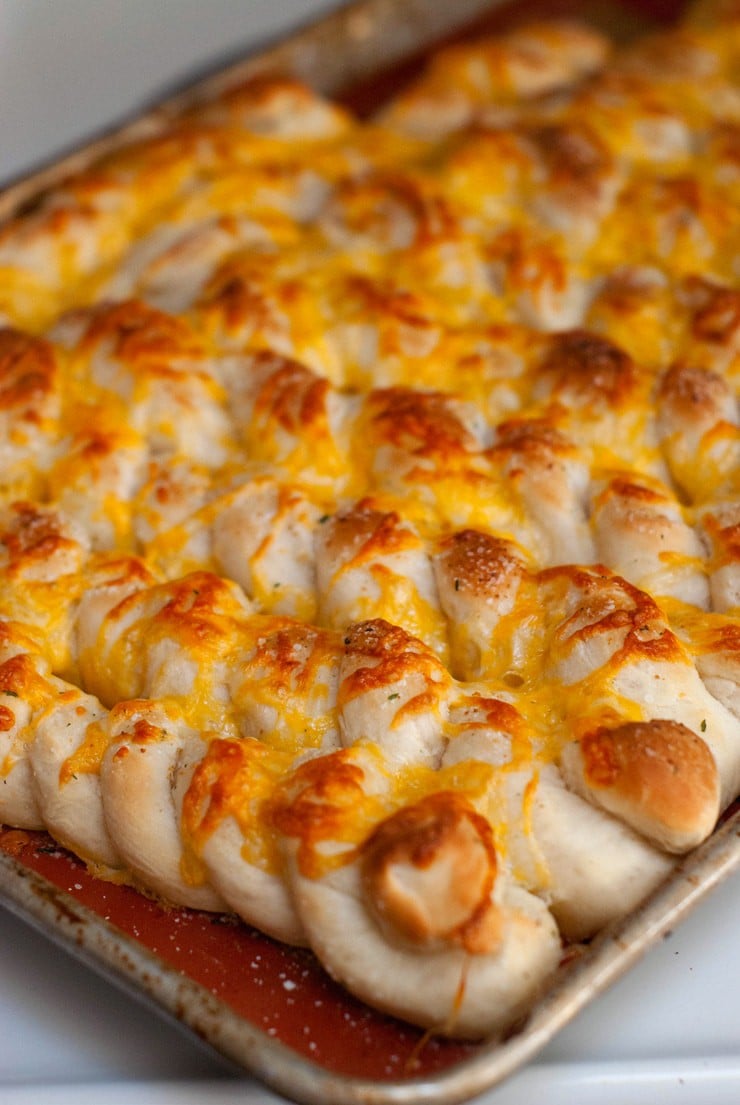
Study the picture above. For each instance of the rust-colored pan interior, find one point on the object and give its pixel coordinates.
(280, 990)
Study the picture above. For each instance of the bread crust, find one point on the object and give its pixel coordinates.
(658, 776)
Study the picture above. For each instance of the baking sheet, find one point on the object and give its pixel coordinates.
(269, 1008)
(667, 1030)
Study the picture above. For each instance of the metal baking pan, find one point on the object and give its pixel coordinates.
(349, 1054)
(271, 1010)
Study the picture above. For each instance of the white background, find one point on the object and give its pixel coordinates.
(670, 1032)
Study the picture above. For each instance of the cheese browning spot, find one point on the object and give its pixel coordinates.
(325, 802)
(237, 779)
(587, 368)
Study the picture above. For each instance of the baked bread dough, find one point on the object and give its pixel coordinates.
(370, 507)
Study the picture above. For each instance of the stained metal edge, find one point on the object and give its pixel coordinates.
(348, 46)
(123, 961)
(145, 977)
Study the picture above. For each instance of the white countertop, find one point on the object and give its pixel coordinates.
(669, 1031)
